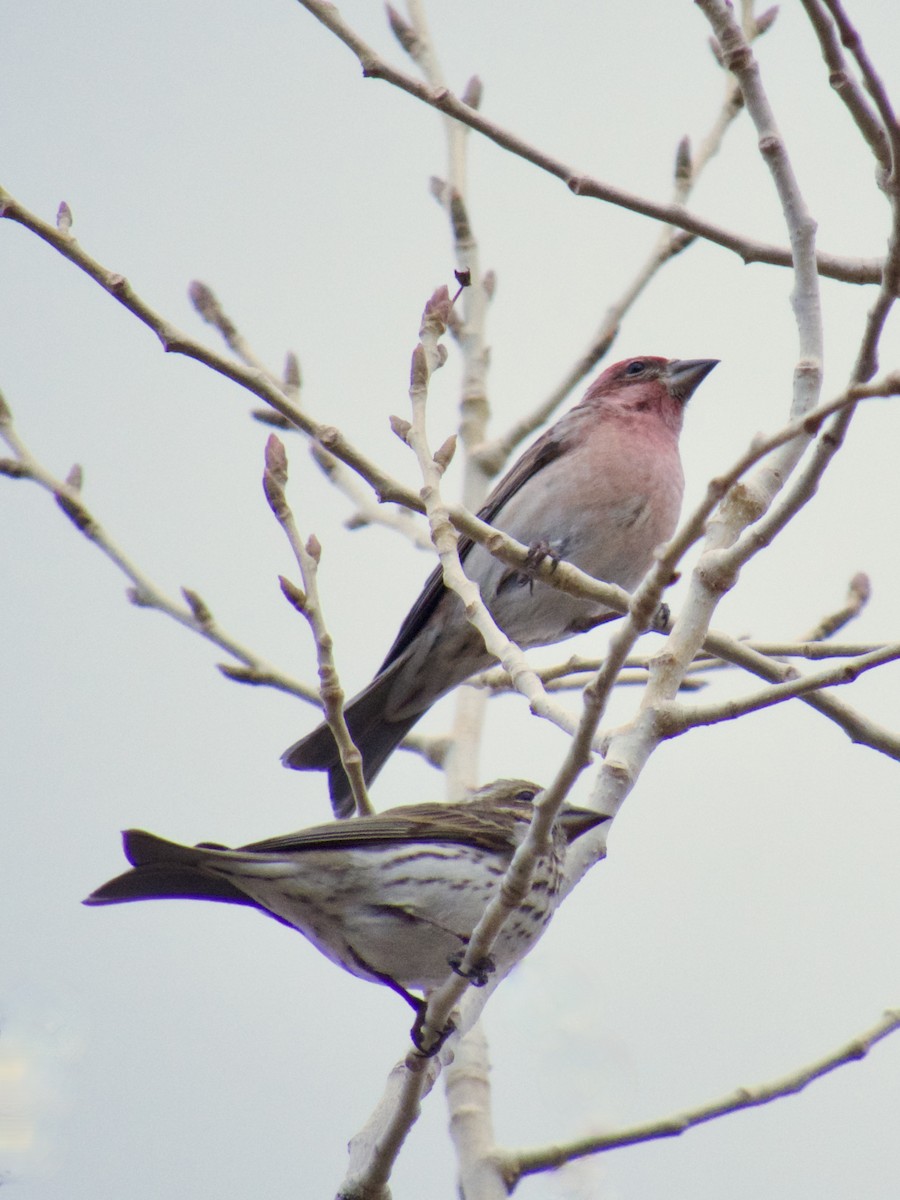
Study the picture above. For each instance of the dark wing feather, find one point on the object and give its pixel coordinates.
(545, 450)
(489, 827)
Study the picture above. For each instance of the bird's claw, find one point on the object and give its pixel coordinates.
(538, 551)
(661, 619)
(478, 974)
(417, 1030)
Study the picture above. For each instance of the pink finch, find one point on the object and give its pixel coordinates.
(392, 898)
(601, 489)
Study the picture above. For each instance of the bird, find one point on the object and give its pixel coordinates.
(391, 897)
(602, 489)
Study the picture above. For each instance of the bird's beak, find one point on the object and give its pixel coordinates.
(684, 376)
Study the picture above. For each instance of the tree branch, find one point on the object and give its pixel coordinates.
(194, 615)
(689, 166)
(374, 67)
(308, 604)
(676, 718)
(518, 1164)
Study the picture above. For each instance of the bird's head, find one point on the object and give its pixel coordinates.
(650, 384)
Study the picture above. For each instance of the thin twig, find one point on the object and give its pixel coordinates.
(194, 615)
(675, 719)
(858, 595)
(547, 1158)
(374, 67)
(208, 307)
(366, 510)
(308, 604)
(468, 314)
(689, 166)
(875, 85)
(845, 85)
(859, 729)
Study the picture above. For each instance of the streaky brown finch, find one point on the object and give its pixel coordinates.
(602, 489)
(392, 897)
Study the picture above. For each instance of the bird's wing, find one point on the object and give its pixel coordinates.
(489, 827)
(545, 450)
(486, 825)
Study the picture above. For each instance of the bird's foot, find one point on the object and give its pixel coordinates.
(516, 577)
(661, 618)
(417, 1031)
(538, 551)
(480, 971)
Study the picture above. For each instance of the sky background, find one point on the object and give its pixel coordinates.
(746, 920)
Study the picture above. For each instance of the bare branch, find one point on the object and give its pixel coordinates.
(851, 39)
(194, 615)
(208, 307)
(366, 510)
(858, 728)
(309, 605)
(548, 1158)
(467, 319)
(374, 67)
(374, 1150)
(174, 341)
(628, 749)
(426, 358)
(858, 595)
(468, 1089)
(845, 85)
(675, 719)
(689, 166)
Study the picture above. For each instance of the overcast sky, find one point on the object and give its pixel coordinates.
(746, 920)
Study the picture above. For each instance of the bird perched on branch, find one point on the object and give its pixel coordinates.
(392, 898)
(601, 489)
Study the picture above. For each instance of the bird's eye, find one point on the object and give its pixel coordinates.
(636, 368)
(527, 794)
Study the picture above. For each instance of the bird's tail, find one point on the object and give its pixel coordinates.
(375, 735)
(165, 870)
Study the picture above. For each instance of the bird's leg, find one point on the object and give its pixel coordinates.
(480, 971)
(417, 1003)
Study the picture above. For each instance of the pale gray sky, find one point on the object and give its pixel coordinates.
(745, 922)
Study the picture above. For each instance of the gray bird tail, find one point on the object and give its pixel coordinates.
(374, 734)
(164, 870)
